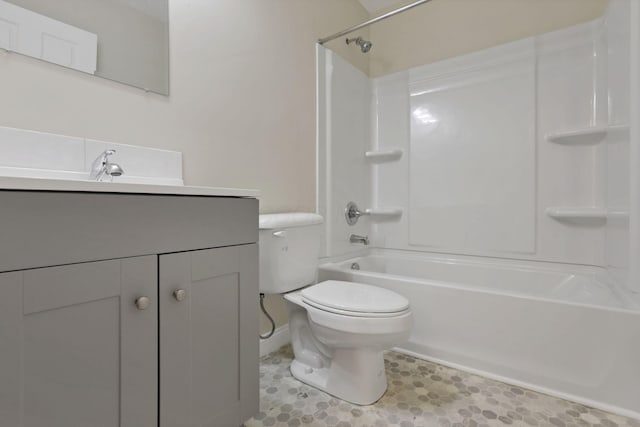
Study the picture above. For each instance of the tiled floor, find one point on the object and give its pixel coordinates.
(420, 394)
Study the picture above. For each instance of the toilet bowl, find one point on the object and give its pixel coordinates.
(339, 330)
(340, 351)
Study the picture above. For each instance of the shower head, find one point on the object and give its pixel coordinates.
(365, 45)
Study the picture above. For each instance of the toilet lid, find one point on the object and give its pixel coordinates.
(354, 297)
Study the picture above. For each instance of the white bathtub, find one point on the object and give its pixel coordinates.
(563, 331)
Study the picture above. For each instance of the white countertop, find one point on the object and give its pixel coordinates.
(39, 184)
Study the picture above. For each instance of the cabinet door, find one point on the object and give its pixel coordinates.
(74, 348)
(209, 339)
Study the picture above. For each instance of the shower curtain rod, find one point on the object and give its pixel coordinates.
(372, 21)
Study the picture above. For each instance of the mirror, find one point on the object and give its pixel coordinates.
(122, 40)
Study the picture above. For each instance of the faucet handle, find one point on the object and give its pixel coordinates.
(101, 164)
(101, 160)
(352, 213)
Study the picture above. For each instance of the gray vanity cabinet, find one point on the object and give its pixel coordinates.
(116, 312)
(208, 345)
(75, 350)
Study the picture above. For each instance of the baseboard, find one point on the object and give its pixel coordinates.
(279, 338)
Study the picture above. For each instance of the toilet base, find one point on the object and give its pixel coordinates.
(355, 375)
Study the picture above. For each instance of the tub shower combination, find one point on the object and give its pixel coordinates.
(498, 193)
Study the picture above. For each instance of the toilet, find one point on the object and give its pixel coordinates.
(339, 330)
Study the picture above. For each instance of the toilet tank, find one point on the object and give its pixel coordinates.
(289, 251)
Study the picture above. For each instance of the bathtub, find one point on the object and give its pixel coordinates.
(562, 330)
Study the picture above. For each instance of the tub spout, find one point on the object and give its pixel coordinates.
(359, 239)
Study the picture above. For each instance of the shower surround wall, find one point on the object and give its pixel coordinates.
(480, 172)
(618, 154)
(519, 151)
(344, 115)
(494, 160)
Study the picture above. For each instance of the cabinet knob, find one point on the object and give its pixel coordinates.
(180, 294)
(143, 303)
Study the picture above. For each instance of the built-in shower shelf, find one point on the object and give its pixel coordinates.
(384, 213)
(592, 214)
(382, 156)
(589, 215)
(584, 136)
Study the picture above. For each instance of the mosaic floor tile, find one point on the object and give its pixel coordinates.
(420, 394)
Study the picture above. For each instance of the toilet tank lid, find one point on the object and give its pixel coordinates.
(286, 220)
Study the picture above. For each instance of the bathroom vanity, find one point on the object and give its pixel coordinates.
(127, 305)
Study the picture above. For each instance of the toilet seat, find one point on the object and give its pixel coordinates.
(355, 299)
(355, 313)
(362, 324)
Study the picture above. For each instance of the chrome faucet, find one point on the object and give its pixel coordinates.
(102, 166)
(359, 239)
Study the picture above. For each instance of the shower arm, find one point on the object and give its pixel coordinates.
(371, 21)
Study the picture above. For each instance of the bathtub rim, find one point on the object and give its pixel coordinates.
(557, 267)
(631, 306)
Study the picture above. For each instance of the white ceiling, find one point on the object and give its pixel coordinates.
(375, 5)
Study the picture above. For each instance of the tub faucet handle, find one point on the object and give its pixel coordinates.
(354, 238)
(352, 213)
